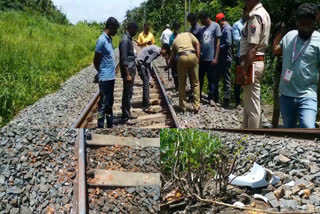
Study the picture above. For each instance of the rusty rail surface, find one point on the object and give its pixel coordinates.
(87, 112)
(294, 133)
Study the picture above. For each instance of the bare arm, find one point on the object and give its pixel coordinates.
(215, 60)
(196, 46)
(249, 57)
(97, 60)
(276, 48)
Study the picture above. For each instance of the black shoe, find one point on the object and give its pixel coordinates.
(130, 122)
(146, 108)
(226, 104)
(133, 117)
(237, 106)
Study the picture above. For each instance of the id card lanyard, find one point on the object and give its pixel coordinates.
(303, 48)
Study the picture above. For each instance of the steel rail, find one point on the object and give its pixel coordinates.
(294, 133)
(167, 101)
(80, 122)
(82, 193)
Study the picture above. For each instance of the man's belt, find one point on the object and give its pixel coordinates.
(186, 53)
(258, 58)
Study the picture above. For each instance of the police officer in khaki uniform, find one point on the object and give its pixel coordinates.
(187, 47)
(254, 41)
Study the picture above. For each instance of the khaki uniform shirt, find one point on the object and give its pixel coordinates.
(256, 31)
(183, 42)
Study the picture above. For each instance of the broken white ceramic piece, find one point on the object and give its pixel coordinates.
(257, 177)
(238, 204)
(258, 196)
(290, 184)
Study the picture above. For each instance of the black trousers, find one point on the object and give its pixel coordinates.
(127, 95)
(105, 103)
(143, 71)
(174, 72)
(237, 87)
(207, 68)
(223, 71)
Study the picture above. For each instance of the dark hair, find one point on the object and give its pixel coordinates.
(132, 25)
(192, 17)
(166, 47)
(176, 25)
(318, 7)
(146, 24)
(307, 10)
(203, 15)
(111, 23)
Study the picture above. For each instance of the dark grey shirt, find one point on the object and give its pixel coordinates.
(196, 31)
(127, 56)
(148, 54)
(226, 43)
(208, 42)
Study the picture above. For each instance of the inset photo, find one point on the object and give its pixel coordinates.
(119, 171)
(226, 172)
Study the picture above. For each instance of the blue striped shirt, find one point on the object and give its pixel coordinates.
(107, 66)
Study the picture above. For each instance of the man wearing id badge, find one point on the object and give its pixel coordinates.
(300, 69)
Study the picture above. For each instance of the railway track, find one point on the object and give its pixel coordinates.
(160, 115)
(115, 174)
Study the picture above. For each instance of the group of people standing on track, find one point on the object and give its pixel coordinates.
(208, 50)
(129, 61)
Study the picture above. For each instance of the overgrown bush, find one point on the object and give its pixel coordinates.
(190, 158)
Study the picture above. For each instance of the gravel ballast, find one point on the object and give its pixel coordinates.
(135, 199)
(37, 169)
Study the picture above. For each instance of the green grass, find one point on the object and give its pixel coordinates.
(37, 56)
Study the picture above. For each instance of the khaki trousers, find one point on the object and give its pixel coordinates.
(188, 64)
(251, 99)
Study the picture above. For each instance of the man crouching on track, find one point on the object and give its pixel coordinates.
(145, 57)
(187, 47)
(104, 63)
(128, 70)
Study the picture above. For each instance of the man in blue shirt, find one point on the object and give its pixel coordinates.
(224, 61)
(210, 48)
(104, 63)
(236, 32)
(300, 50)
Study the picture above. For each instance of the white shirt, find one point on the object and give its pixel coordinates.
(165, 36)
